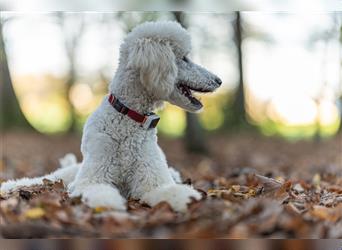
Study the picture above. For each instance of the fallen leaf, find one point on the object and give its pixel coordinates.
(325, 213)
(100, 209)
(62, 216)
(34, 213)
(47, 182)
(316, 180)
(269, 184)
(236, 188)
(24, 194)
(298, 188)
(252, 192)
(290, 207)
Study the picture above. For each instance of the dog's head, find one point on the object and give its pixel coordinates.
(159, 52)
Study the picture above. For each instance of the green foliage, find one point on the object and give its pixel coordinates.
(52, 116)
(172, 122)
(272, 128)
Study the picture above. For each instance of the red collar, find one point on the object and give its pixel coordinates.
(146, 121)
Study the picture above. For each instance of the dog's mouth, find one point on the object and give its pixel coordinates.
(187, 91)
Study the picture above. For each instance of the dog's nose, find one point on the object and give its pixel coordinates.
(218, 81)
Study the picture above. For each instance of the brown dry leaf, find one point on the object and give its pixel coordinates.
(239, 231)
(48, 199)
(243, 189)
(335, 231)
(219, 193)
(136, 208)
(267, 217)
(283, 192)
(335, 189)
(58, 185)
(229, 210)
(25, 194)
(291, 208)
(62, 216)
(338, 198)
(161, 213)
(269, 184)
(280, 179)
(9, 204)
(227, 194)
(327, 199)
(298, 188)
(325, 213)
(252, 192)
(47, 182)
(240, 195)
(236, 188)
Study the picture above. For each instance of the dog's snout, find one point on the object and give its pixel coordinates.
(218, 81)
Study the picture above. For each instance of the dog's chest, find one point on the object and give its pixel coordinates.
(134, 148)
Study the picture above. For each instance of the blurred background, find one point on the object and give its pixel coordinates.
(193, 5)
(281, 72)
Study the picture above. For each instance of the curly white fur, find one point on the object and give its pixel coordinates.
(120, 158)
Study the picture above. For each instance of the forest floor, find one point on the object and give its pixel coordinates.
(252, 187)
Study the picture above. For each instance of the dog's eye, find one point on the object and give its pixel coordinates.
(185, 59)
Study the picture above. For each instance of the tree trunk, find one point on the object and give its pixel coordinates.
(71, 44)
(11, 114)
(194, 134)
(70, 82)
(195, 141)
(340, 79)
(238, 107)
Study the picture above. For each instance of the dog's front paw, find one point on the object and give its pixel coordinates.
(100, 195)
(177, 195)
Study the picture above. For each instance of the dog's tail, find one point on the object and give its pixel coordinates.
(67, 172)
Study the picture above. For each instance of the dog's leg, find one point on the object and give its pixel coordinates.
(153, 190)
(175, 175)
(95, 186)
(95, 180)
(177, 195)
(153, 183)
(99, 195)
(66, 173)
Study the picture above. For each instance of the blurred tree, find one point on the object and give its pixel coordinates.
(238, 107)
(11, 114)
(72, 27)
(194, 133)
(326, 36)
(340, 76)
(236, 116)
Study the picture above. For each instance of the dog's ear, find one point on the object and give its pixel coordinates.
(157, 64)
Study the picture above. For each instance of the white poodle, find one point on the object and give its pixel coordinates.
(121, 157)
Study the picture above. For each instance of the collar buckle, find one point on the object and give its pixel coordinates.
(150, 121)
(124, 110)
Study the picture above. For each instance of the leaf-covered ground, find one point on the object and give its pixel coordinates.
(252, 186)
